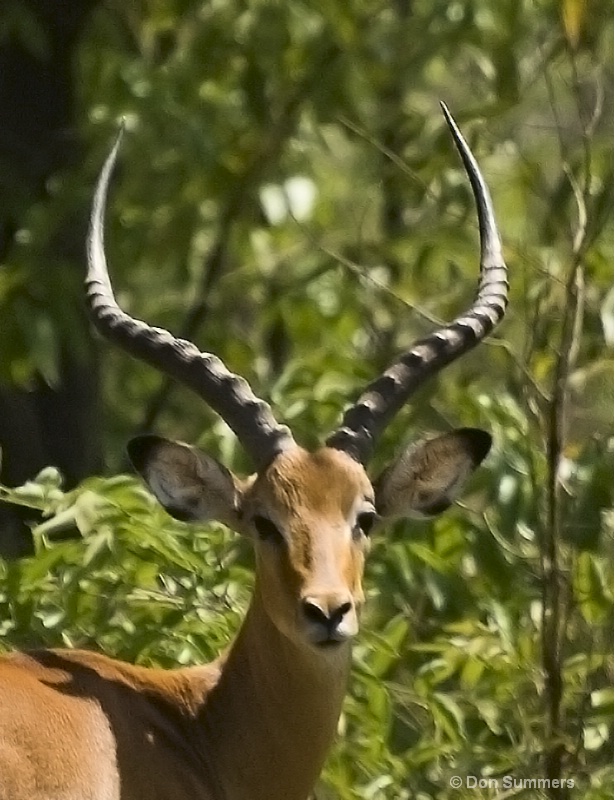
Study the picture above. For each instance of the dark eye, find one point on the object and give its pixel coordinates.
(267, 530)
(365, 522)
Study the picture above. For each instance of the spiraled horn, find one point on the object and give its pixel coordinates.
(382, 399)
(229, 395)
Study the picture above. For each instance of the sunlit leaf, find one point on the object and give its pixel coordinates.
(589, 588)
(573, 14)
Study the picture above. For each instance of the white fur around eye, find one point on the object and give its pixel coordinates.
(360, 506)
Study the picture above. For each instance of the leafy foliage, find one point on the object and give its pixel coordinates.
(287, 179)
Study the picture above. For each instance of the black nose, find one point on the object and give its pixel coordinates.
(328, 612)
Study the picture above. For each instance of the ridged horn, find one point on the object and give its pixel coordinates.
(229, 395)
(363, 422)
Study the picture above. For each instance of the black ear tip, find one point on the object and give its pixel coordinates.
(141, 448)
(478, 441)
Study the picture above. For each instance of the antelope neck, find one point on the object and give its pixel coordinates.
(271, 717)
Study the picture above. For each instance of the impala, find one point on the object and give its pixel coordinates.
(256, 724)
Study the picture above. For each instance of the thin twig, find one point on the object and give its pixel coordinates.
(553, 618)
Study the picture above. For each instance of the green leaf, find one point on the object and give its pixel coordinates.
(589, 587)
(573, 15)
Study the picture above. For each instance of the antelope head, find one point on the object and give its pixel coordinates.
(309, 514)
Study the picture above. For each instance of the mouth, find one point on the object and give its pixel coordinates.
(329, 644)
(330, 638)
(332, 642)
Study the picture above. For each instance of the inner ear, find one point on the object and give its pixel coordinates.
(427, 477)
(189, 484)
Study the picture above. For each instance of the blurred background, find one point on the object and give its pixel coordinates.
(288, 196)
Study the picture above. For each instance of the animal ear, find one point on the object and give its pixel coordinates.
(189, 484)
(427, 477)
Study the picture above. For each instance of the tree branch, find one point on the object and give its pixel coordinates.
(553, 616)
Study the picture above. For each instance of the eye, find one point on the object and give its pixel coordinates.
(267, 530)
(365, 522)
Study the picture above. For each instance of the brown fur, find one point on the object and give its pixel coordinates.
(254, 725)
(257, 723)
